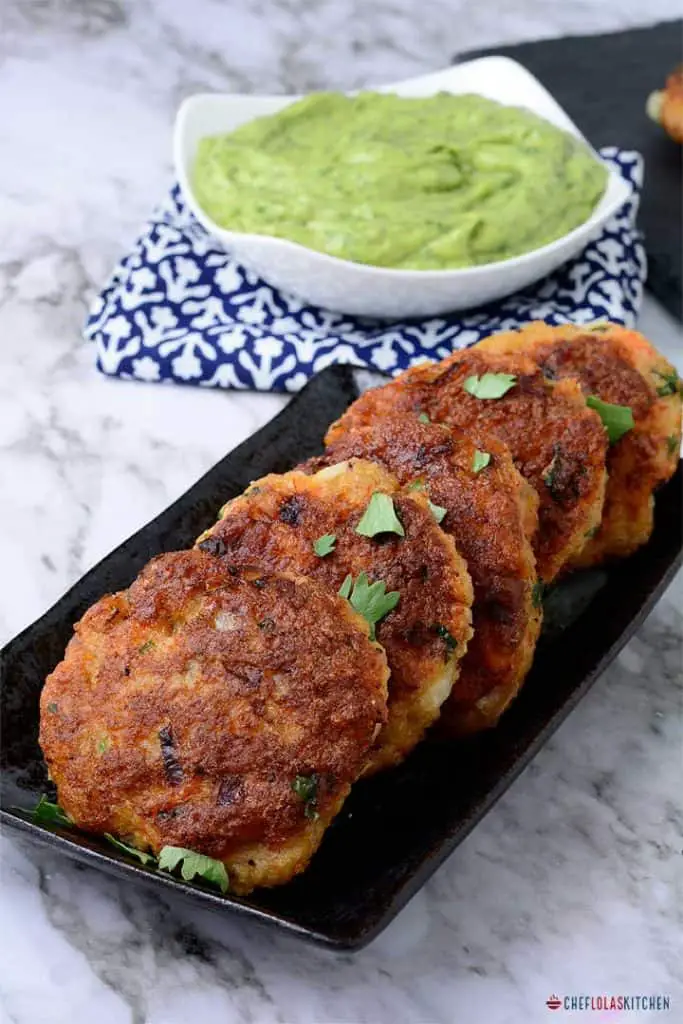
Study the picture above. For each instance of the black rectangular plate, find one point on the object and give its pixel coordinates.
(407, 821)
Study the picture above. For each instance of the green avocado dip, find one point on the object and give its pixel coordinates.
(420, 184)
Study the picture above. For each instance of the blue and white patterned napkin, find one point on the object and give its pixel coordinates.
(179, 308)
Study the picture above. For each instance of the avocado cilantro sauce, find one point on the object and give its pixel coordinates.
(422, 184)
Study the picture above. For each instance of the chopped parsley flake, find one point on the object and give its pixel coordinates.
(550, 472)
(589, 534)
(616, 419)
(306, 788)
(52, 708)
(103, 745)
(47, 813)
(480, 460)
(424, 418)
(490, 385)
(369, 599)
(672, 444)
(147, 646)
(380, 517)
(449, 640)
(437, 511)
(325, 545)
(131, 851)
(670, 385)
(193, 865)
(537, 592)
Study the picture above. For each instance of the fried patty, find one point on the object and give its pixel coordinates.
(187, 707)
(620, 366)
(557, 443)
(492, 516)
(275, 525)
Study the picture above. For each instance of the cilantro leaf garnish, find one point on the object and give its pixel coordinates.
(380, 517)
(369, 599)
(131, 851)
(490, 385)
(480, 460)
(616, 419)
(193, 865)
(438, 511)
(670, 385)
(537, 592)
(449, 640)
(306, 788)
(47, 813)
(424, 418)
(325, 545)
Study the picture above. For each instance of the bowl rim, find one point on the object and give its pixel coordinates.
(588, 228)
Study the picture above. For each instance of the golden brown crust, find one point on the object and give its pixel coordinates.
(550, 432)
(275, 524)
(492, 516)
(622, 367)
(186, 706)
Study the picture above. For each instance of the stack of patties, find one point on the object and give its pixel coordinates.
(545, 447)
(229, 699)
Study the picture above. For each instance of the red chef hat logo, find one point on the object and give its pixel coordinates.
(554, 1003)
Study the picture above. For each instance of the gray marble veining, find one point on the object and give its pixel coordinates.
(573, 882)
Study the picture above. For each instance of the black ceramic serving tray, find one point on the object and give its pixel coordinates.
(406, 821)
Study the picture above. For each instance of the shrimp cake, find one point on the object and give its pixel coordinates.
(276, 523)
(492, 516)
(557, 443)
(620, 366)
(189, 708)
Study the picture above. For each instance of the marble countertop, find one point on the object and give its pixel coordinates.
(569, 884)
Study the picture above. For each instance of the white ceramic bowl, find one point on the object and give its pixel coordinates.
(363, 290)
